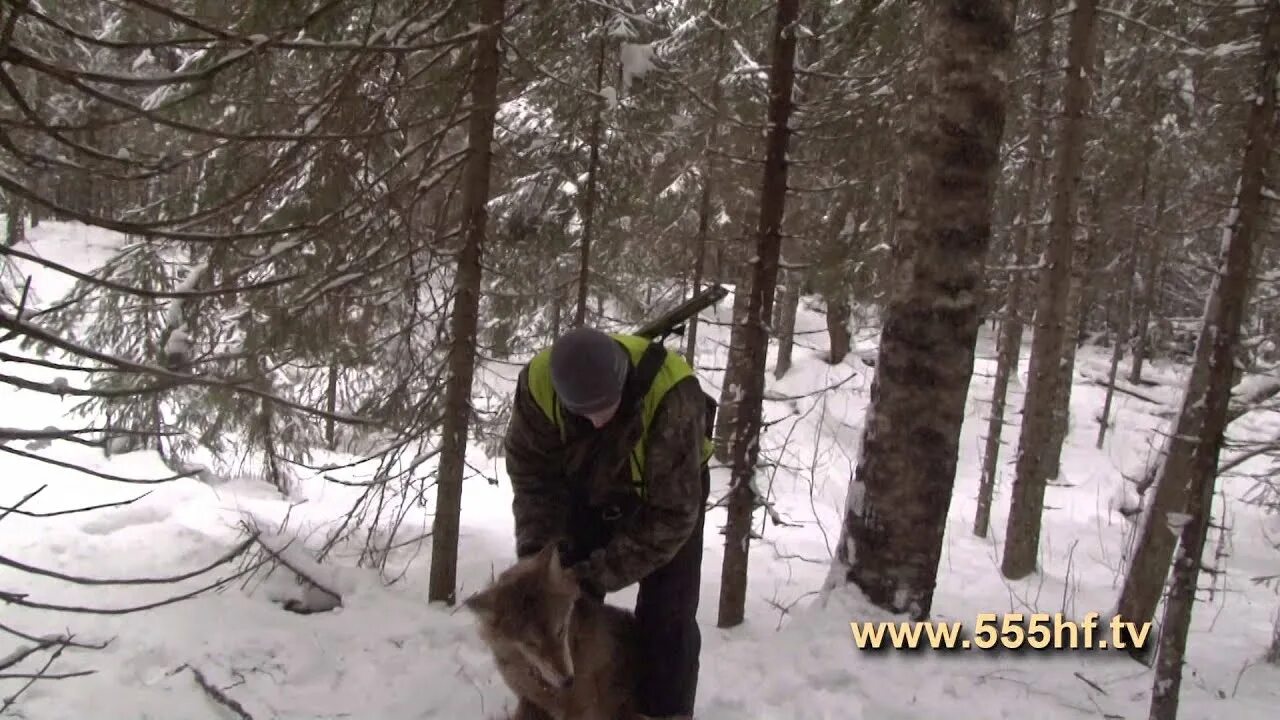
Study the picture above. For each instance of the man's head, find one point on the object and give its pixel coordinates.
(588, 371)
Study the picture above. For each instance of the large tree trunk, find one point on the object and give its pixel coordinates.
(1022, 536)
(1178, 479)
(1215, 350)
(1078, 304)
(895, 519)
(1011, 328)
(466, 304)
(589, 206)
(746, 427)
(789, 303)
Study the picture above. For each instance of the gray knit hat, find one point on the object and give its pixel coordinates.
(588, 370)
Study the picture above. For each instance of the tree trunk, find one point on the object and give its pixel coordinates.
(1011, 327)
(838, 315)
(746, 431)
(786, 324)
(708, 179)
(589, 209)
(731, 389)
(463, 323)
(1124, 285)
(1273, 651)
(331, 405)
(1078, 304)
(896, 511)
(1022, 535)
(1077, 311)
(1150, 281)
(15, 224)
(1215, 350)
(1190, 461)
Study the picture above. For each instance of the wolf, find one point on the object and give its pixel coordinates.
(565, 654)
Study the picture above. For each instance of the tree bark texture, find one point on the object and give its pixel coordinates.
(786, 323)
(705, 206)
(466, 304)
(1022, 535)
(1219, 336)
(1011, 328)
(589, 209)
(896, 513)
(746, 424)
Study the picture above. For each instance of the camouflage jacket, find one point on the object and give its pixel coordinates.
(550, 476)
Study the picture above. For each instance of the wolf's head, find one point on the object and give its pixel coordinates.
(529, 609)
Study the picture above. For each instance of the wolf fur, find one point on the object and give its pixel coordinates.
(565, 654)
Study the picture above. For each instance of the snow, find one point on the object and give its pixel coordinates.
(637, 61)
(610, 95)
(386, 652)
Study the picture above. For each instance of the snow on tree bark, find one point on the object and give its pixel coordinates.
(1022, 536)
(891, 537)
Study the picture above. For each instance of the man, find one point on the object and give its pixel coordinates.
(606, 450)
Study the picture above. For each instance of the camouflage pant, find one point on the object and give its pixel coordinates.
(666, 609)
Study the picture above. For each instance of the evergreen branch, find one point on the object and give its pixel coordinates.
(80, 580)
(20, 599)
(24, 328)
(56, 513)
(61, 389)
(95, 473)
(7, 434)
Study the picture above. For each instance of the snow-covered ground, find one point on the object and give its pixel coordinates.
(388, 653)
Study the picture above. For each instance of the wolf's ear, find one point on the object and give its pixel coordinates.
(560, 573)
(482, 605)
(549, 554)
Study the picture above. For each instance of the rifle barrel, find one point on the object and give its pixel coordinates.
(669, 320)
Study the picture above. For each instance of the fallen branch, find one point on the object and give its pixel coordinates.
(23, 653)
(41, 675)
(57, 639)
(1121, 389)
(1089, 682)
(278, 555)
(217, 695)
(22, 502)
(778, 397)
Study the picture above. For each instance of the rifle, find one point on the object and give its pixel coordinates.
(673, 321)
